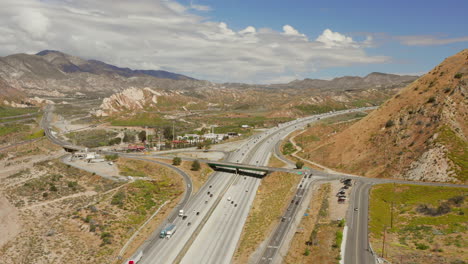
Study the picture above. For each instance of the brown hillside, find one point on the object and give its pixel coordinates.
(419, 134)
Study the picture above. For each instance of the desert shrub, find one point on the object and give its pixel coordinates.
(431, 99)
(176, 161)
(442, 209)
(458, 75)
(389, 123)
(118, 198)
(299, 164)
(53, 188)
(421, 246)
(457, 200)
(111, 157)
(195, 165)
(115, 141)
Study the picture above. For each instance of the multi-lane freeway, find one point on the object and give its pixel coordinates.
(216, 214)
(218, 211)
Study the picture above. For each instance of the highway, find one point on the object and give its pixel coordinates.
(216, 214)
(276, 239)
(357, 240)
(214, 232)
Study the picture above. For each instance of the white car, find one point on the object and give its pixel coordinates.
(229, 198)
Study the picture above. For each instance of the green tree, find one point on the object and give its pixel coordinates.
(299, 164)
(142, 136)
(168, 133)
(176, 161)
(127, 137)
(196, 165)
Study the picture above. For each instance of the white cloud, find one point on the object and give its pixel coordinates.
(427, 40)
(289, 30)
(198, 7)
(248, 30)
(33, 22)
(335, 39)
(164, 34)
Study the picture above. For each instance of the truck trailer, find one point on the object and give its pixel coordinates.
(168, 231)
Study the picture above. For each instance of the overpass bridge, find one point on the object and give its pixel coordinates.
(241, 168)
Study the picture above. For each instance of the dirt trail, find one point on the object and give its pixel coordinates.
(9, 221)
(87, 193)
(25, 162)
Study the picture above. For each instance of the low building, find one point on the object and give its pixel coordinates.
(136, 148)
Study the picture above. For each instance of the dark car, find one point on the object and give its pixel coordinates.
(211, 195)
(189, 223)
(184, 217)
(198, 213)
(297, 202)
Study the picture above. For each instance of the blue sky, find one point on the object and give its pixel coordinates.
(384, 19)
(243, 40)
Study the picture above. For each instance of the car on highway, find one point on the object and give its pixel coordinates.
(356, 209)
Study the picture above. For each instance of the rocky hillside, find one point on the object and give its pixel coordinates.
(288, 101)
(72, 64)
(52, 73)
(8, 93)
(419, 134)
(375, 80)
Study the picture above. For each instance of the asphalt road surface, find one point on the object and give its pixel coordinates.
(357, 240)
(216, 221)
(287, 219)
(217, 213)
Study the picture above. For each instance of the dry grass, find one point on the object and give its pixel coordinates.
(198, 177)
(414, 235)
(388, 141)
(271, 200)
(87, 228)
(307, 225)
(317, 243)
(274, 162)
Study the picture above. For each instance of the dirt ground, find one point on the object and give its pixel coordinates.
(337, 211)
(314, 241)
(198, 177)
(77, 221)
(201, 155)
(298, 244)
(9, 221)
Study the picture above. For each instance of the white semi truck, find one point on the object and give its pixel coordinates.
(168, 231)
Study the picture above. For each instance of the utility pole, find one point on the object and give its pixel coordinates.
(391, 216)
(383, 242)
(159, 140)
(173, 134)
